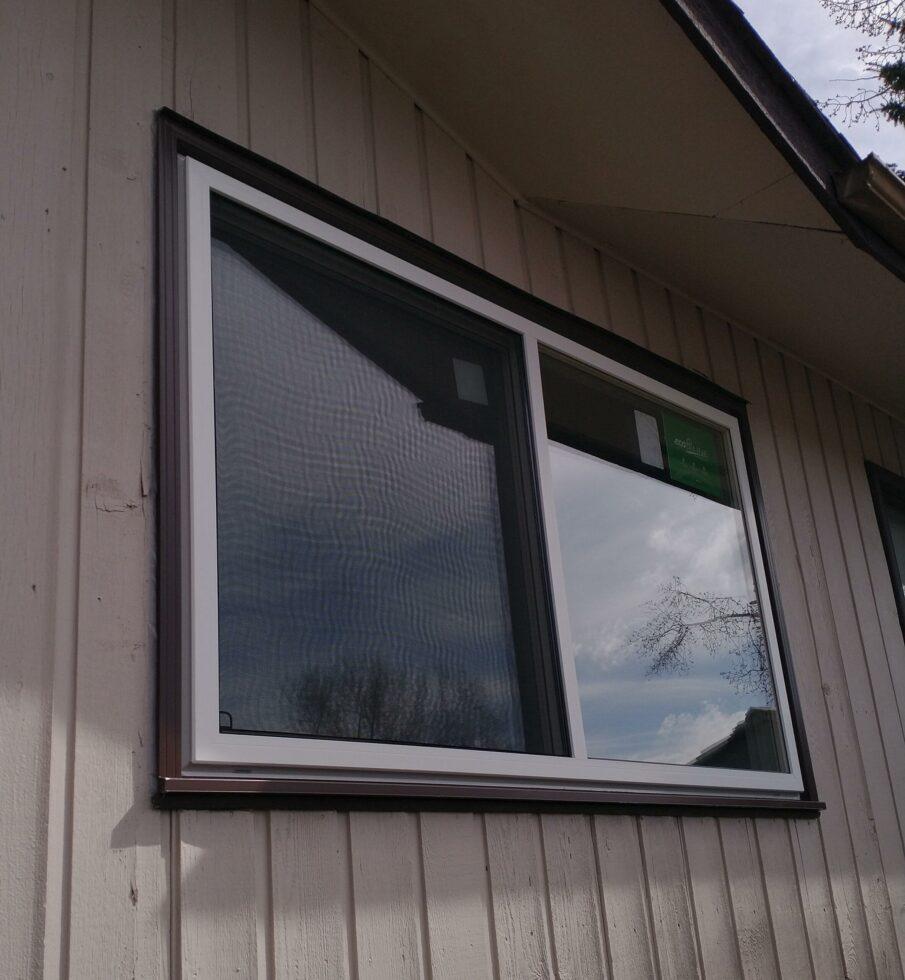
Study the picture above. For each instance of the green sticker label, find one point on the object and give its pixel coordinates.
(691, 451)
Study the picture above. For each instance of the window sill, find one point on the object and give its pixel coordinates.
(214, 793)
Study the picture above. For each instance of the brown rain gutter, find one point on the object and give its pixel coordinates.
(877, 196)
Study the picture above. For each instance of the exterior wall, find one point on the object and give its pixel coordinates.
(98, 884)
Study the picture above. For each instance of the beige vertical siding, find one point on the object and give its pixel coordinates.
(97, 884)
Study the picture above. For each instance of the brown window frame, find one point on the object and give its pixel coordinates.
(887, 487)
(177, 137)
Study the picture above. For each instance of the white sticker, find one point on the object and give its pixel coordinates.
(648, 439)
(470, 381)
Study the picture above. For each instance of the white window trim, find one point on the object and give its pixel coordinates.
(210, 751)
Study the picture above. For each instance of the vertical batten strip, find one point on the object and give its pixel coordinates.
(278, 69)
(582, 273)
(544, 259)
(574, 896)
(622, 300)
(519, 903)
(209, 73)
(453, 221)
(364, 70)
(312, 902)
(481, 259)
(457, 900)
(656, 313)
(396, 155)
(690, 335)
(498, 227)
(386, 867)
(168, 52)
(242, 86)
(339, 112)
(218, 894)
(308, 57)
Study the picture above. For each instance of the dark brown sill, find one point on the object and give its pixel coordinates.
(216, 793)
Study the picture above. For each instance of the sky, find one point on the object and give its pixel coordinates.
(624, 537)
(818, 53)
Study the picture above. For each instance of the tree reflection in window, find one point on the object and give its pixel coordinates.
(683, 621)
(670, 653)
(365, 701)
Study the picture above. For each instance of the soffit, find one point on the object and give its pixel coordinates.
(606, 114)
(819, 295)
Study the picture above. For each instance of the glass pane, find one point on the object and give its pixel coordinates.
(670, 652)
(895, 515)
(366, 568)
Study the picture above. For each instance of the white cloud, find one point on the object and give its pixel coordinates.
(684, 736)
(624, 538)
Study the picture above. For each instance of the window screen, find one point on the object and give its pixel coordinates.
(373, 526)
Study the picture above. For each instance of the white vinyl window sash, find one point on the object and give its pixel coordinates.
(213, 752)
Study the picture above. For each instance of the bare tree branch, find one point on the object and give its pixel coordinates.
(881, 94)
(366, 700)
(682, 622)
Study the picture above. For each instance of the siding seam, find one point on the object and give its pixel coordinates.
(491, 908)
(351, 925)
(693, 914)
(64, 670)
(421, 897)
(648, 902)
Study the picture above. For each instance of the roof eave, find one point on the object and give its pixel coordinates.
(790, 119)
